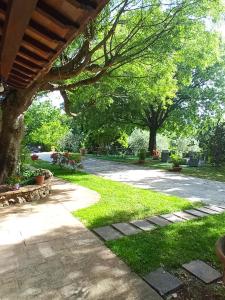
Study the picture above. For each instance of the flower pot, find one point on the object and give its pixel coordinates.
(40, 179)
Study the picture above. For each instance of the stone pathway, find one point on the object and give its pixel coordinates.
(45, 253)
(192, 188)
(119, 230)
(202, 271)
(165, 283)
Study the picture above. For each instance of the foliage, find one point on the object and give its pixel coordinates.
(142, 155)
(119, 202)
(70, 142)
(213, 143)
(12, 180)
(49, 134)
(163, 142)
(45, 124)
(123, 140)
(24, 155)
(27, 171)
(39, 172)
(138, 140)
(176, 160)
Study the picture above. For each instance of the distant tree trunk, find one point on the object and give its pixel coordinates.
(11, 133)
(152, 140)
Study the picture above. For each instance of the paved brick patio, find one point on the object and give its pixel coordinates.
(45, 253)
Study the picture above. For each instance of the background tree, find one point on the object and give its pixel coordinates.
(45, 125)
(147, 94)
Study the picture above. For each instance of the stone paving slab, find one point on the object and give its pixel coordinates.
(208, 211)
(202, 271)
(162, 281)
(216, 208)
(107, 233)
(126, 228)
(143, 225)
(158, 221)
(75, 264)
(184, 215)
(172, 218)
(196, 213)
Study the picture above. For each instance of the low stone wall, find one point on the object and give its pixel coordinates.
(25, 194)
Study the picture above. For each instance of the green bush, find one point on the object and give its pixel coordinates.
(142, 154)
(176, 160)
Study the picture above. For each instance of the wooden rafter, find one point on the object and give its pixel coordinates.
(84, 5)
(18, 17)
(33, 33)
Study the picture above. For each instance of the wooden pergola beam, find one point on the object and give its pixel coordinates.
(88, 5)
(18, 17)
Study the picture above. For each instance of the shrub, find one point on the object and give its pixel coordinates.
(138, 140)
(142, 155)
(70, 142)
(176, 160)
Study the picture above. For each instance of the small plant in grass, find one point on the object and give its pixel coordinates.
(142, 155)
(14, 182)
(176, 160)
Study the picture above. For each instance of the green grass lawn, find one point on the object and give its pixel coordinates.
(171, 246)
(119, 201)
(206, 172)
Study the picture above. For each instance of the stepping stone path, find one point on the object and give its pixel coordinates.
(143, 225)
(208, 211)
(172, 218)
(202, 271)
(216, 208)
(126, 228)
(162, 281)
(108, 233)
(184, 215)
(158, 221)
(118, 230)
(196, 213)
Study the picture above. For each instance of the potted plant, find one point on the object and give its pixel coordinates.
(14, 182)
(39, 176)
(176, 160)
(142, 156)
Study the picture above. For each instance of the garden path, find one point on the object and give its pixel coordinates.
(46, 253)
(192, 188)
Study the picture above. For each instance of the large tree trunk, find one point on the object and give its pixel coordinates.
(11, 133)
(152, 140)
